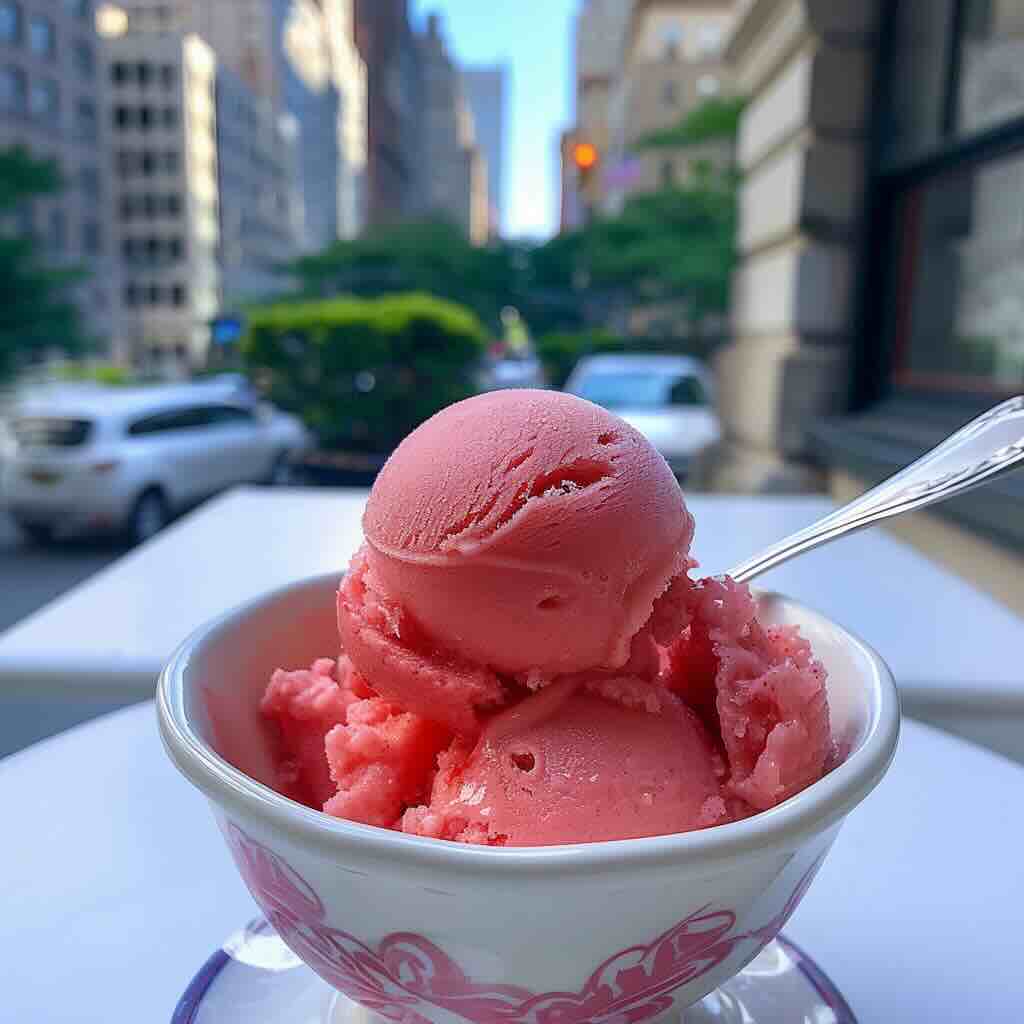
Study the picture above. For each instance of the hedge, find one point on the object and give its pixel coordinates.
(363, 373)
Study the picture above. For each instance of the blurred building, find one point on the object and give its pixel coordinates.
(455, 168)
(300, 55)
(598, 53)
(162, 109)
(671, 61)
(879, 301)
(260, 206)
(394, 103)
(350, 82)
(51, 102)
(485, 91)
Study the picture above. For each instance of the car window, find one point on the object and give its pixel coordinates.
(228, 414)
(635, 389)
(170, 420)
(51, 431)
(688, 391)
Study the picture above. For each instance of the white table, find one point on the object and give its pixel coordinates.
(955, 651)
(117, 886)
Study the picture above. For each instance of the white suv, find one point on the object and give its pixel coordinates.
(93, 459)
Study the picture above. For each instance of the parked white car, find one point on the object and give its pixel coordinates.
(89, 459)
(669, 399)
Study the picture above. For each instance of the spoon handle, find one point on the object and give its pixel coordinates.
(987, 447)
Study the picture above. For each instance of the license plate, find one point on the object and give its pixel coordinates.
(46, 477)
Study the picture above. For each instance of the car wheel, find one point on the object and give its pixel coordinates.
(149, 516)
(37, 534)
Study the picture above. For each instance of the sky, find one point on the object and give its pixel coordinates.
(534, 39)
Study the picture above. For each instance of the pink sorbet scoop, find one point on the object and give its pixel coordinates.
(525, 659)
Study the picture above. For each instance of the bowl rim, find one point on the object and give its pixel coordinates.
(786, 826)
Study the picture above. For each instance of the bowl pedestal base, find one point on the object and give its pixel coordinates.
(255, 979)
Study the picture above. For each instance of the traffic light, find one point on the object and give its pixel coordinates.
(586, 158)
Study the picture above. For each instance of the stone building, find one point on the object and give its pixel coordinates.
(485, 90)
(162, 112)
(600, 31)
(671, 61)
(261, 216)
(878, 298)
(51, 102)
(455, 168)
(388, 46)
(301, 56)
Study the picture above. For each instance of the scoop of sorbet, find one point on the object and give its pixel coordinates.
(527, 531)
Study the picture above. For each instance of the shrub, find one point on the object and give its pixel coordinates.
(363, 373)
(106, 374)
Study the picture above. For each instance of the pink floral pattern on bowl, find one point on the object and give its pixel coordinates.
(407, 976)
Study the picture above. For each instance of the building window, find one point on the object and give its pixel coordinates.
(13, 90)
(81, 9)
(168, 76)
(120, 73)
(179, 295)
(672, 42)
(124, 117)
(148, 163)
(176, 250)
(131, 295)
(707, 86)
(42, 39)
(170, 117)
(143, 73)
(150, 205)
(145, 118)
(951, 175)
(154, 295)
(57, 232)
(92, 237)
(174, 205)
(709, 40)
(89, 181)
(10, 22)
(85, 58)
(86, 121)
(172, 162)
(670, 94)
(44, 100)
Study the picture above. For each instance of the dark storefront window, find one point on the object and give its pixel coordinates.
(942, 293)
(950, 185)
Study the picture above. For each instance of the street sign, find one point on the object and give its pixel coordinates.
(226, 330)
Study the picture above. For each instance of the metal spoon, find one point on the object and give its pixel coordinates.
(987, 447)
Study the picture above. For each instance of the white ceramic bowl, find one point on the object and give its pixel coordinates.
(418, 929)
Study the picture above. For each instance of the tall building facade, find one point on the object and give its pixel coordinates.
(51, 102)
(671, 62)
(601, 27)
(261, 214)
(485, 90)
(205, 187)
(162, 109)
(350, 83)
(300, 55)
(455, 167)
(388, 46)
(877, 301)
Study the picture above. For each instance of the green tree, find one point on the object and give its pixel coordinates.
(673, 245)
(35, 312)
(436, 258)
(363, 373)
